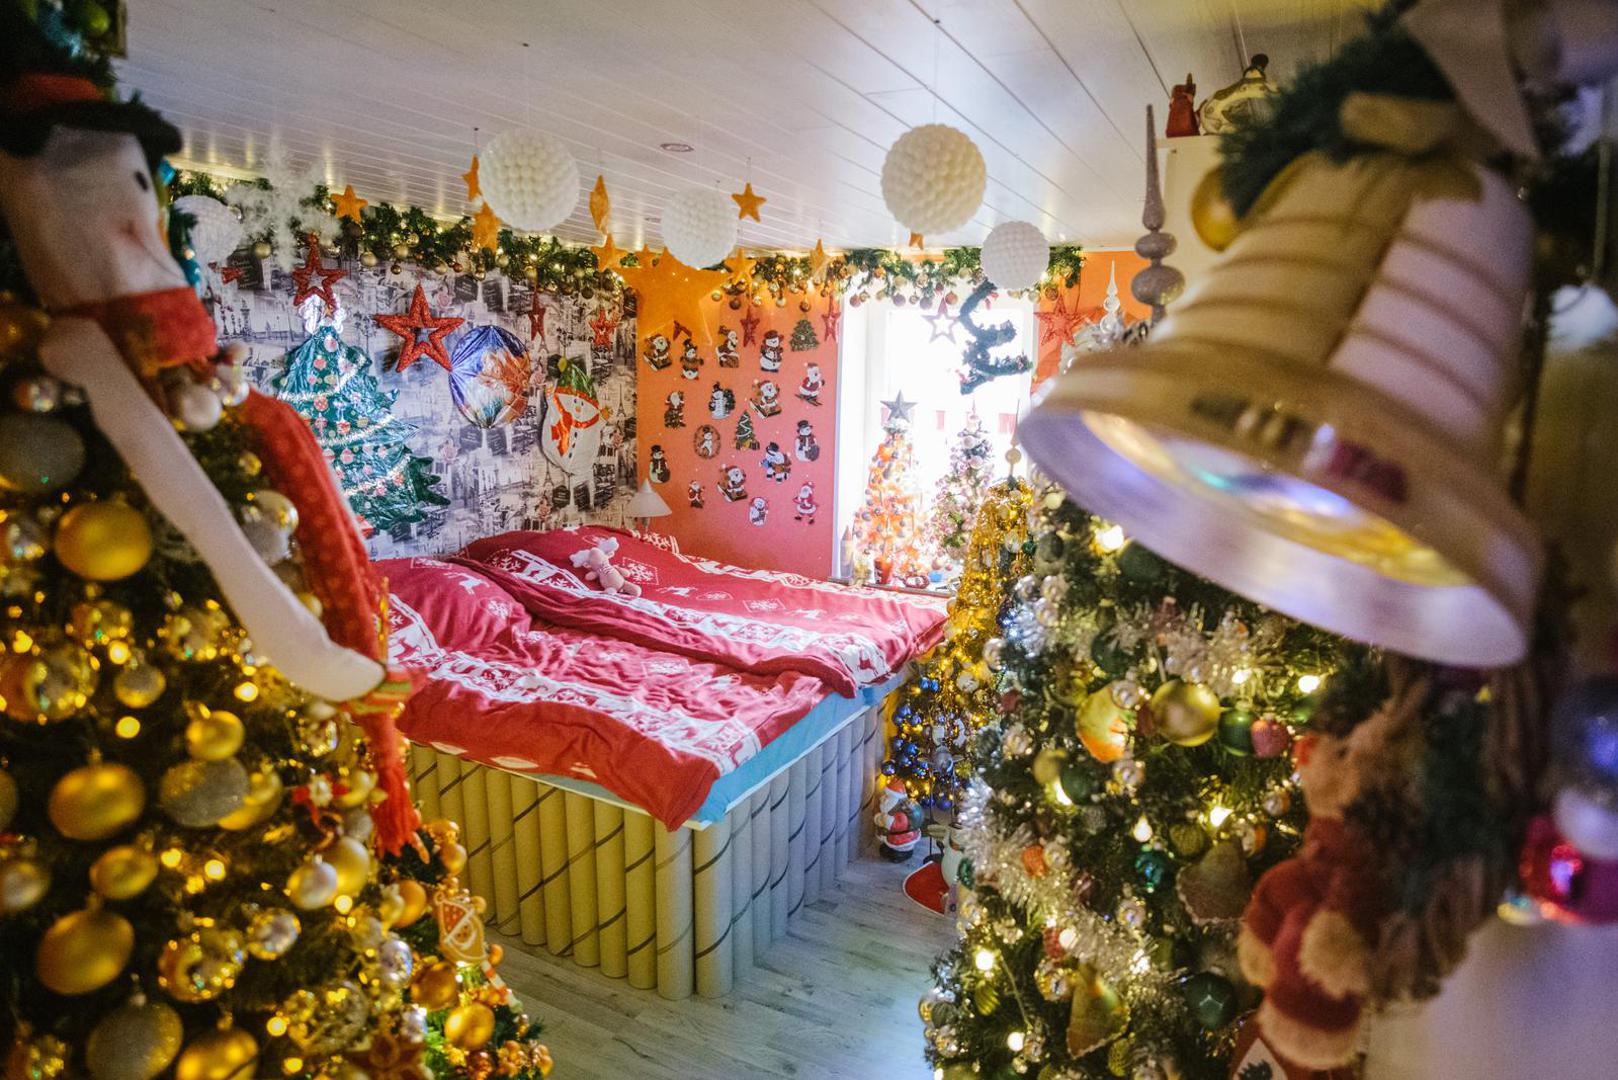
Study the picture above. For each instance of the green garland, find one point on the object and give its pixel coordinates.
(395, 236)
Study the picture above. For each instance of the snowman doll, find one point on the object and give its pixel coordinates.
(658, 469)
(707, 442)
(657, 353)
(812, 384)
(757, 510)
(728, 350)
(721, 401)
(777, 466)
(690, 360)
(804, 505)
(693, 493)
(770, 352)
(807, 448)
(733, 483)
(674, 410)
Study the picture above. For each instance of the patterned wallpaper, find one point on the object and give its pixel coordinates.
(494, 477)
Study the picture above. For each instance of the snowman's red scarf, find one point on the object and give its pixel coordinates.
(158, 330)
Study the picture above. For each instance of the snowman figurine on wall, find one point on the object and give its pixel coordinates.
(690, 360)
(758, 510)
(777, 466)
(658, 468)
(770, 352)
(721, 401)
(807, 448)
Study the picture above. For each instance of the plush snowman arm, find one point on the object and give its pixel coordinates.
(78, 351)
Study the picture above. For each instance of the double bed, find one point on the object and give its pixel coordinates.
(650, 784)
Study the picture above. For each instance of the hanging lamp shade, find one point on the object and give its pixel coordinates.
(1316, 426)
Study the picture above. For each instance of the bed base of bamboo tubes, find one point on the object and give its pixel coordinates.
(683, 912)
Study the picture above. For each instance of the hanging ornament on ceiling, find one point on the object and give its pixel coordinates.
(529, 179)
(1015, 255)
(215, 231)
(933, 179)
(600, 205)
(699, 226)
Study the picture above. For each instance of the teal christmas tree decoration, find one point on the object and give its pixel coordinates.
(330, 384)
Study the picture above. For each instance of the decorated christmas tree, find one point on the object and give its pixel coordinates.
(960, 490)
(887, 526)
(803, 337)
(952, 694)
(201, 788)
(331, 385)
(1138, 783)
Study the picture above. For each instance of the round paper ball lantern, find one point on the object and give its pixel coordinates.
(529, 179)
(217, 231)
(933, 179)
(1015, 255)
(699, 226)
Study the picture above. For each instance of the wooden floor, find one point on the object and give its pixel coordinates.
(834, 999)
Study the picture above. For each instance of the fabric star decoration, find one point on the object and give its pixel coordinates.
(916, 241)
(474, 190)
(348, 205)
(486, 228)
(898, 410)
(536, 317)
(670, 293)
(602, 327)
(829, 321)
(608, 255)
(818, 261)
(1058, 324)
(741, 269)
(600, 204)
(943, 324)
(747, 203)
(750, 321)
(302, 276)
(422, 331)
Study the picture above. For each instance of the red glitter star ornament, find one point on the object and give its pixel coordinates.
(1058, 324)
(411, 325)
(829, 321)
(536, 317)
(602, 327)
(750, 321)
(312, 268)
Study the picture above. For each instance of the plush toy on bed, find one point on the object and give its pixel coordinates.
(601, 571)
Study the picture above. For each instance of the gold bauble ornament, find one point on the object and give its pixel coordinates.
(84, 951)
(136, 1041)
(1048, 765)
(469, 1026)
(51, 686)
(96, 801)
(138, 685)
(8, 799)
(1211, 213)
(271, 932)
(1103, 726)
(436, 986)
(202, 965)
(352, 862)
(103, 541)
(313, 885)
(23, 883)
(264, 792)
(96, 622)
(214, 736)
(357, 787)
(390, 907)
(194, 632)
(221, 1054)
(36, 1057)
(453, 856)
(414, 895)
(123, 872)
(1185, 713)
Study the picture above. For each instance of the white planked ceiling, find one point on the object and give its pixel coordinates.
(803, 97)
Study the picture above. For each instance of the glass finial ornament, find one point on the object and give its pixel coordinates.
(1312, 430)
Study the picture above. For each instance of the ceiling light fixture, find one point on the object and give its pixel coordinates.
(676, 147)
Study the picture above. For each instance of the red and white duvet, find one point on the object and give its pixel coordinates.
(758, 621)
(656, 728)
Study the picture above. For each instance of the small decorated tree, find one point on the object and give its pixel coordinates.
(960, 490)
(803, 337)
(887, 526)
(331, 385)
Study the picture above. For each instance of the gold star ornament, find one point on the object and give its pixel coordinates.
(818, 261)
(747, 203)
(348, 205)
(474, 190)
(608, 255)
(486, 228)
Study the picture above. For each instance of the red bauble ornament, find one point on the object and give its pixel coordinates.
(1270, 737)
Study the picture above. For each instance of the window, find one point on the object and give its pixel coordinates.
(889, 349)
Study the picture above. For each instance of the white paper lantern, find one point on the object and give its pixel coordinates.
(933, 179)
(699, 226)
(218, 230)
(529, 179)
(1015, 255)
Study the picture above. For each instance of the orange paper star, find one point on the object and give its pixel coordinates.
(741, 269)
(411, 325)
(608, 255)
(348, 205)
(474, 190)
(486, 228)
(600, 205)
(747, 203)
(916, 241)
(671, 292)
(818, 260)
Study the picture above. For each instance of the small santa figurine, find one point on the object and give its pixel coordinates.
(805, 506)
(693, 491)
(657, 353)
(728, 350)
(896, 827)
(812, 385)
(770, 352)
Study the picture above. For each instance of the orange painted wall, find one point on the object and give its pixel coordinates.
(722, 529)
(1086, 299)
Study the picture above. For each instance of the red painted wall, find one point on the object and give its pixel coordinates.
(723, 528)
(1086, 299)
